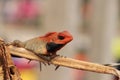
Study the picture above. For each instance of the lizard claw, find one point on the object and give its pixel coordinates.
(57, 67)
(29, 61)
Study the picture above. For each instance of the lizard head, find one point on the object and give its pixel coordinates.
(56, 40)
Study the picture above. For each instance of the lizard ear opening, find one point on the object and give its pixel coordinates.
(61, 37)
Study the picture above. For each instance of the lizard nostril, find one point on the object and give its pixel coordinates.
(61, 37)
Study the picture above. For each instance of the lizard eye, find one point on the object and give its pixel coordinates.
(61, 37)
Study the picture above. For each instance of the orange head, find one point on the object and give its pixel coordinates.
(58, 37)
(56, 40)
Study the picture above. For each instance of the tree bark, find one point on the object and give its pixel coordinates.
(8, 70)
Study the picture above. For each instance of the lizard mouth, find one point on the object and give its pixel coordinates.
(53, 47)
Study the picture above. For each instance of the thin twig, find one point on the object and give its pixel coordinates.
(66, 62)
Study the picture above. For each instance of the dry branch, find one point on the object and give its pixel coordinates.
(8, 70)
(66, 62)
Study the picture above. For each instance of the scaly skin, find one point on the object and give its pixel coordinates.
(46, 46)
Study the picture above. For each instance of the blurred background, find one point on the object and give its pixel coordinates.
(94, 25)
